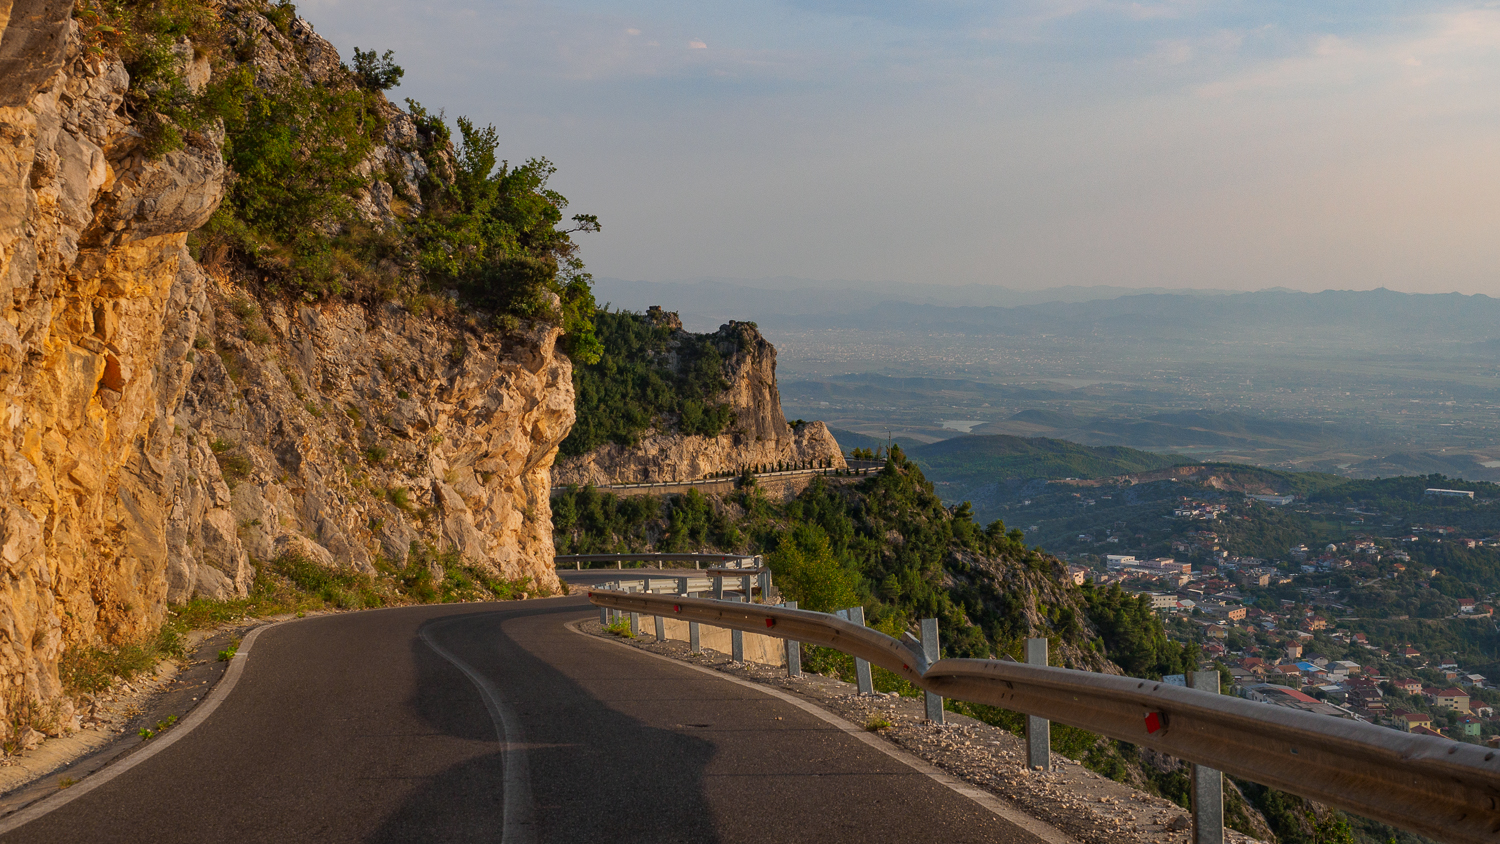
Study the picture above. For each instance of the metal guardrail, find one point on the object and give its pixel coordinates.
(814, 628)
(696, 559)
(1436, 787)
(852, 471)
(664, 558)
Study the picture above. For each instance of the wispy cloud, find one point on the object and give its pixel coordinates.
(1026, 142)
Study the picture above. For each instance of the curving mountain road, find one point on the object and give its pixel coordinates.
(385, 726)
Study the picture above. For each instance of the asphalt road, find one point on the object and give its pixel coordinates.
(361, 727)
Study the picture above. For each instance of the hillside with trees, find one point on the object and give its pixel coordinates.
(889, 544)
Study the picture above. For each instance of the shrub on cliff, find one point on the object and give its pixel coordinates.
(492, 232)
(147, 36)
(298, 147)
(376, 72)
(296, 155)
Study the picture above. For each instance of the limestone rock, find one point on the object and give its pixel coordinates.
(154, 446)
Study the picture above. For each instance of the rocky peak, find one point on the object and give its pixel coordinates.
(757, 435)
(665, 319)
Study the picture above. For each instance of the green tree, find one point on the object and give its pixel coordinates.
(1133, 635)
(807, 571)
(629, 387)
(493, 233)
(376, 73)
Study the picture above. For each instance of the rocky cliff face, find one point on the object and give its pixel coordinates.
(163, 428)
(759, 434)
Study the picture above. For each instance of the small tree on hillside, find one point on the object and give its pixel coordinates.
(376, 73)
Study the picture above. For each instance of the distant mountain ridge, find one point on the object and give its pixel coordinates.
(1472, 318)
(1151, 312)
(703, 303)
(996, 457)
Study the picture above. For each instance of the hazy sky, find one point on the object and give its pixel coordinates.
(1026, 144)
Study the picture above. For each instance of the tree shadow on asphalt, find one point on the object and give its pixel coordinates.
(596, 774)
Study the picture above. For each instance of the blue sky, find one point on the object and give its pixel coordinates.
(1025, 144)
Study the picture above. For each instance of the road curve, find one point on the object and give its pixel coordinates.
(385, 726)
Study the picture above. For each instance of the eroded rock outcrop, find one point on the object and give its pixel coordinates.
(345, 434)
(758, 436)
(163, 429)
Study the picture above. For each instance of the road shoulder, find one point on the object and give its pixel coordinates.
(167, 702)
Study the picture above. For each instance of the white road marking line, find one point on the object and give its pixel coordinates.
(518, 826)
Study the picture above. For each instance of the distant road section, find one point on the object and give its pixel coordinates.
(790, 481)
(494, 722)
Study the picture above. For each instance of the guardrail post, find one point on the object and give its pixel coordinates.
(932, 653)
(1038, 730)
(745, 587)
(793, 650)
(1208, 784)
(718, 587)
(765, 586)
(603, 617)
(693, 645)
(862, 680)
(620, 565)
(682, 586)
(635, 624)
(661, 628)
(737, 642)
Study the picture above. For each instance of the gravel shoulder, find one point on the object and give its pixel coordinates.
(1090, 808)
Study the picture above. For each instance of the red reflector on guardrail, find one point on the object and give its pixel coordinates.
(1154, 722)
(677, 608)
(770, 622)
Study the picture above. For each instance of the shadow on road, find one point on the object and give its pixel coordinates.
(597, 774)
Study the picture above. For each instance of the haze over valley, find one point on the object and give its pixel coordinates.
(1364, 384)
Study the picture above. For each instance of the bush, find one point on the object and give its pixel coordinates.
(492, 233)
(295, 154)
(808, 573)
(376, 73)
(145, 35)
(341, 588)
